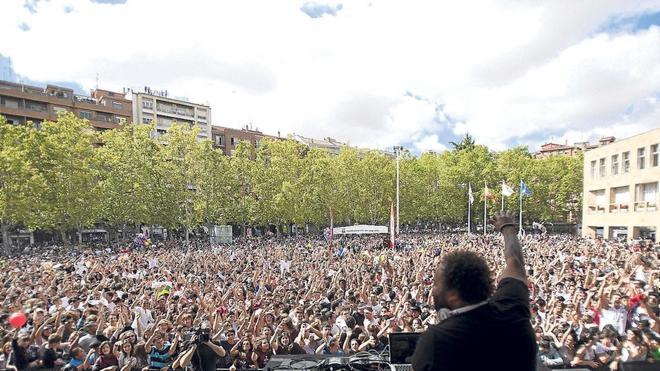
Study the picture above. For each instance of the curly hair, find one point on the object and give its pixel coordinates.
(468, 274)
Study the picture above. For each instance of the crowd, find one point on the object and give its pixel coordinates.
(594, 303)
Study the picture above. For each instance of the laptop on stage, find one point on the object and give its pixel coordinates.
(402, 347)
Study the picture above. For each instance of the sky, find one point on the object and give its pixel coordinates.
(371, 73)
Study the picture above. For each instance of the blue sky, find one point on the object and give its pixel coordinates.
(373, 73)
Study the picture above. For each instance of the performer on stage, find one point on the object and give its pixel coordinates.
(482, 330)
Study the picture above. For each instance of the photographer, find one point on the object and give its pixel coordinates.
(202, 354)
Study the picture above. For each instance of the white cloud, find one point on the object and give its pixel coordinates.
(505, 72)
(430, 143)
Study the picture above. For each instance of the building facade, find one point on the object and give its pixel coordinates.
(555, 149)
(226, 139)
(620, 198)
(334, 146)
(156, 107)
(21, 104)
(330, 145)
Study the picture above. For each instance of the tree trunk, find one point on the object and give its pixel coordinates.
(111, 234)
(65, 240)
(6, 243)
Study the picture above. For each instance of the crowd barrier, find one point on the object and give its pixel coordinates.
(624, 366)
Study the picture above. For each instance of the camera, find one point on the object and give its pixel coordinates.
(201, 335)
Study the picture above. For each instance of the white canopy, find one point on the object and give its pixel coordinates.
(360, 229)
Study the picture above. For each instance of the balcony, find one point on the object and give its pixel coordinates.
(619, 207)
(597, 209)
(25, 112)
(646, 206)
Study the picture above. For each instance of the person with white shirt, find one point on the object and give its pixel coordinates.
(612, 312)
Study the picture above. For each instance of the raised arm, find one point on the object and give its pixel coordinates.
(515, 264)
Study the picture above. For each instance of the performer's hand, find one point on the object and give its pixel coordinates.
(502, 219)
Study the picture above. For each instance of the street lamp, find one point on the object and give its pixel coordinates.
(397, 153)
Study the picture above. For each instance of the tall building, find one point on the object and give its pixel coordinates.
(155, 106)
(226, 139)
(621, 188)
(22, 103)
(555, 149)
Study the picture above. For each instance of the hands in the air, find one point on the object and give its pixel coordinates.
(501, 220)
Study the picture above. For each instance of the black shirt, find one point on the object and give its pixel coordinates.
(48, 357)
(204, 358)
(497, 335)
(227, 360)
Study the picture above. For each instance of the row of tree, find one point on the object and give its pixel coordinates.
(60, 178)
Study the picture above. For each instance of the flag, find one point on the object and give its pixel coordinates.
(506, 190)
(488, 194)
(524, 190)
(470, 196)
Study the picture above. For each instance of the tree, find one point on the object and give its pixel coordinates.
(66, 160)
(180, 163)
(127, 173)
(21, 184)
(242, 174)
(466, 143)
(213, 184)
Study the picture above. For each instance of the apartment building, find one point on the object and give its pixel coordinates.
(226, 139)
(555, 149)
(334, 146)
(621, 188)
(21, 104)
(156, 107)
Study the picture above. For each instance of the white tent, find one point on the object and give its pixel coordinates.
(360, 229)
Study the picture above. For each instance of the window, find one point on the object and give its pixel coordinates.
(35, 106)
(615, 164)
(620, 196)
(59, 94)
(102, 116)
(641, 158)
(116, 105)
(59, 109)
(646, 196)
(147, 104)
(593, 169)
(219, 140)
(601, 168)
(85, 115)
(10, 103)
(598, 201)
(233, 141)
(147, 120)
(654, 155)
(625, 157)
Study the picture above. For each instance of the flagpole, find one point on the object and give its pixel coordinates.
(485, 189)
(520, 214)
(469, 207)
(502, 195)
